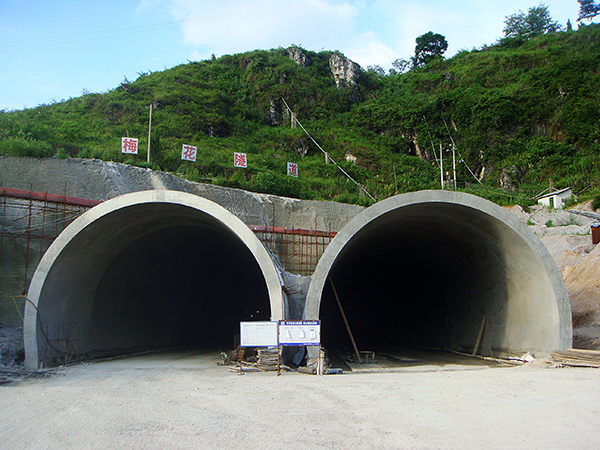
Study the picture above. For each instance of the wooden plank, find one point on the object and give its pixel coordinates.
(577, 358)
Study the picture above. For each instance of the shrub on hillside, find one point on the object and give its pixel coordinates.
(17, 146)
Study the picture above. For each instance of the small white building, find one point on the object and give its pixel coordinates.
(555, 199)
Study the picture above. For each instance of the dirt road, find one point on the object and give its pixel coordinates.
(186, 401)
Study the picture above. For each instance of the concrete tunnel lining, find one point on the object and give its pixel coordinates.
(424, 268)
(136, 271)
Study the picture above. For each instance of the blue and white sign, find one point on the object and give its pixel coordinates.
(300, 332)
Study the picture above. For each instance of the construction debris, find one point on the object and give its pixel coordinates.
(319, 365)
(239, 354)
(576, 358)
(268, 358)
(257, 360)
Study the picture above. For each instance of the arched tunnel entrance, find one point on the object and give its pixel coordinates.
(148, 270)
(426, 268)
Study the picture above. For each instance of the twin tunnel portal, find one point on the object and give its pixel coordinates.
(161, 269)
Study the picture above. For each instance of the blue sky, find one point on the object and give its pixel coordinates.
(50, 51)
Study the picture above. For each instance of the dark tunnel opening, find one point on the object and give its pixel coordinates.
(149, 276)
(192, 287)
(423, 275)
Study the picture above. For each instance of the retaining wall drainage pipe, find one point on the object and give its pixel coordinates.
(147, 270)
(426, 268)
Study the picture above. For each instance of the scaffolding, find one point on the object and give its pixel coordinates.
(31, 221)
(34, 219)
(297, 250)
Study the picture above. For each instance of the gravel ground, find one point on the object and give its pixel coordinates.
(184, 400)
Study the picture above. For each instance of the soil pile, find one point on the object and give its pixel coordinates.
(583, 284)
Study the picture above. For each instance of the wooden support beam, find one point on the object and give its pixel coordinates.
(479, 336)
(337, 298)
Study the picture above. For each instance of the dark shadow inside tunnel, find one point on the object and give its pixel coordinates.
(181, 286)
(422, 275)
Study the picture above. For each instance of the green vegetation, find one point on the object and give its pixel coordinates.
(429, 47)
(521, 112)
(536, 22)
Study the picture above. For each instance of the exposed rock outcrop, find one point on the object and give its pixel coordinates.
(298, 56)
(350, 157)
(301, 147)
(344, 71)
(278, 114)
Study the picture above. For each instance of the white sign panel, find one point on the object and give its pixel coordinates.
(239, 160)
(188, 153)
(292, 169)
(258, 334)
(129, 145)
(300, 332)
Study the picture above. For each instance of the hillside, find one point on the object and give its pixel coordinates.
(522, 114)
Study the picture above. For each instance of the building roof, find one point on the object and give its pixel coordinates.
(551, 194)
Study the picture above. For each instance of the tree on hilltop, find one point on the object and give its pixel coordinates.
(536, 22)
(429, 46)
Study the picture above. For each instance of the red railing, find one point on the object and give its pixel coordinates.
(45, 197)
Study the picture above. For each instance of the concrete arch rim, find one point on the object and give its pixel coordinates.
(345, 235)
(218, 213)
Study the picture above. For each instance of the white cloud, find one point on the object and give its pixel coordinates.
(367, 49)
(232, 26)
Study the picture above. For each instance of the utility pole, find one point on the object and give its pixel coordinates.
(152, 106)
(441, 165)
(454, 164)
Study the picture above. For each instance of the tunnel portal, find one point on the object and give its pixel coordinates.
(149, 270)
(159, 269)
(429, 268)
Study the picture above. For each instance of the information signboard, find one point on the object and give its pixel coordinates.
(299, 332)
(258, 334)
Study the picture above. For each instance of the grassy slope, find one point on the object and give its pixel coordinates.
(521, 113)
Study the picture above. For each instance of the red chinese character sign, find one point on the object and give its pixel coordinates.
(292, 170)
(188, 153)
(129, 145)
(239, 160)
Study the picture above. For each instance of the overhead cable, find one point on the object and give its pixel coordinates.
(329, 157)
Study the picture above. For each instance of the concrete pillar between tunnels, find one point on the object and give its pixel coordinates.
(425, 268)
(147, 270)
